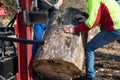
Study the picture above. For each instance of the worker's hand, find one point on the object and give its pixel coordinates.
(69, 28)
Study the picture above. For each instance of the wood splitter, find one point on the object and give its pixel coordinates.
(18, 66)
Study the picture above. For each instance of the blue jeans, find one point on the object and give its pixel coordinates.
(38, 34)
(102, 38)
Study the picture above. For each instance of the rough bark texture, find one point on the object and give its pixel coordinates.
(62, 55)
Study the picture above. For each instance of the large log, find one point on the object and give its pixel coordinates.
(62, 55)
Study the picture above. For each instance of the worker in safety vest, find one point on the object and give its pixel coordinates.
(40, 28)
(107, 14)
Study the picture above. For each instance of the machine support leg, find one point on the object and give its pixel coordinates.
(24, 50)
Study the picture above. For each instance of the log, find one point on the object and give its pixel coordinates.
(62, 55)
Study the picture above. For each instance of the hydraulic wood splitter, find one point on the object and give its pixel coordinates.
(18, 67)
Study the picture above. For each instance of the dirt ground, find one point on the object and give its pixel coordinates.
(107, 62)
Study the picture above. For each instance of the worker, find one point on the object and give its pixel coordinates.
(106, 13)
(40, 28)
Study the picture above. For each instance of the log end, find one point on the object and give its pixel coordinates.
(56, 69)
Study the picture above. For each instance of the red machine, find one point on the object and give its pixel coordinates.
(24, 18)
(24, 50)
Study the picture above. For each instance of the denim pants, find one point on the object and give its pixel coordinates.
(38, 34)
(102, 38)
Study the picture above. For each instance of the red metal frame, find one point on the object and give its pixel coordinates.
(24, 50)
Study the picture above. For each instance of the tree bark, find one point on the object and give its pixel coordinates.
(62, 55)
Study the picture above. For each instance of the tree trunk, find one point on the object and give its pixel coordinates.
(62, 55)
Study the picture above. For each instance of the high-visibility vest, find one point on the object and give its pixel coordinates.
(105, 12)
